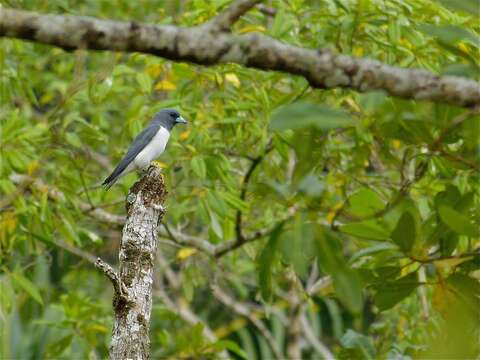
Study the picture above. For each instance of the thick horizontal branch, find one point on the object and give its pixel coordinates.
(322, 68)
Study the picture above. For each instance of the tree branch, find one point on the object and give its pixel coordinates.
(267, 10)
(130, 334)
(179, 306)
(243, 310)
(121, 295)
(295, 301)
(188, 240)
(225, 20)
(319, 285)
(322, 68)
(121, 291)
(230, 245)
(76, 251)
(312, 338)
(243, 194)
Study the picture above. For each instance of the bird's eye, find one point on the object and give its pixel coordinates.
(172, 114)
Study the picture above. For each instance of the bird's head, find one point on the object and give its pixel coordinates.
(168, 118)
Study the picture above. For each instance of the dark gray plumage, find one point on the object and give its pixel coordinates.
(148, 145)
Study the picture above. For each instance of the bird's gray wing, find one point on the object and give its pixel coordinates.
(138, 144)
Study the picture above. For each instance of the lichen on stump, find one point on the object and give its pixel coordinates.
(152, 186)
(130, 338)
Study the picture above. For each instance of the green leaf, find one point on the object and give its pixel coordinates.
(198, 166)
(365, 202)
(372, 101)
(123, 69)
(311, 186)
(405, 234)
(234, 201)
(73, 139)
(56, 348)
(28, 286)
(230, 345)
(468, 6)
(246, 339)
(384, 246)
(388, 294)
(457, 221)
(300, 115)
(345, 280)
(145, 82)
(450, 34)
(466, 288)
(459, 69)
(216, 203)
(283, 23)
(297, 245)
(348, 287)
(45, 239)
(265, 262)
(7, 295)
(354, 340)
(366, 229)
(215, 224)
(451, 196)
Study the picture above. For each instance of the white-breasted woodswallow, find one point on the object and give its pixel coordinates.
(148, 145)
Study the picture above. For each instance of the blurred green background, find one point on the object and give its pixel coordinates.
(376, 196)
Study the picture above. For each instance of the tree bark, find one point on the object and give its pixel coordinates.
(132, 302)
(208, 45)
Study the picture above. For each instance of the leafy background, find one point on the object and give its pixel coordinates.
(377, 196)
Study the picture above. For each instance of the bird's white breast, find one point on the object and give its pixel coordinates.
(153, 149)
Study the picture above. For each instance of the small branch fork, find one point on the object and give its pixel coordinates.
(121, 291)
(225, 20)
(243, 194)
(244, 310)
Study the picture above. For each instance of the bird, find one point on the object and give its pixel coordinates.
(147, 146)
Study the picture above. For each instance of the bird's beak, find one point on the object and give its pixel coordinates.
(181, 120)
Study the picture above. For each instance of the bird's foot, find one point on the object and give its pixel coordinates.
(159, 165)
(144, 171)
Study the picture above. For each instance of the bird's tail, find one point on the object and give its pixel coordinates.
(122, 169)
(112, 179)
(109, 181)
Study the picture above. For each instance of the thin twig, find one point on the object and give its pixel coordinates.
(319, 285)
(225, 20)
(243, 193)
(244, 310)
(230, 245)
(76, 251)
(313, 340)
(422, 293)
(120, 289)
(267, 10)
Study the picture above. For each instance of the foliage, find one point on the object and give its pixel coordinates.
(382, 194)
